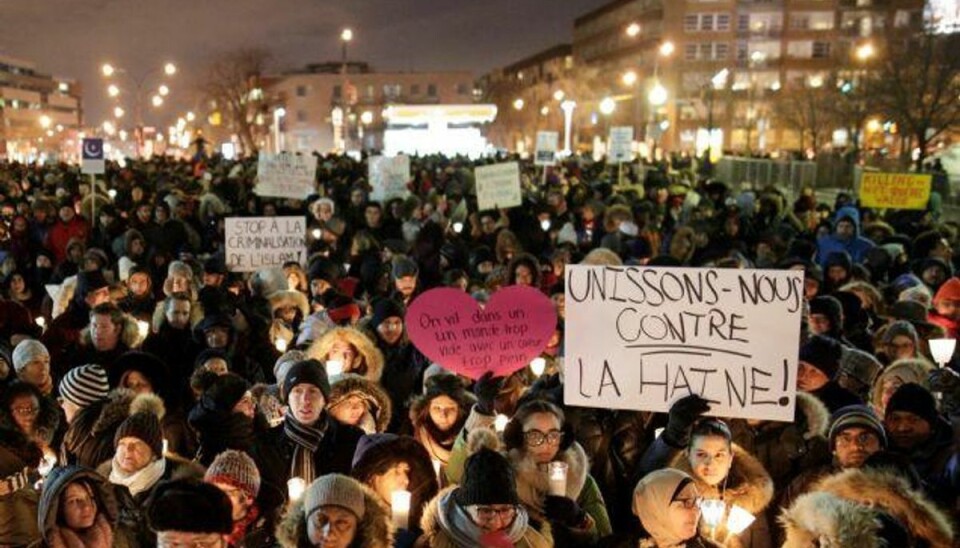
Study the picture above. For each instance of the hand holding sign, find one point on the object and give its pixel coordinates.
(451, 329)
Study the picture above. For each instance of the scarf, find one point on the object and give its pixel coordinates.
(240, 527)
(99, 535)
(455, 521)
(306, 441)
(140, 480)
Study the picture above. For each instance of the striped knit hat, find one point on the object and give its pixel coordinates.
(237, 469)
(85, 385)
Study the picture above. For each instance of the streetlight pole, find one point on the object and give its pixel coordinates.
(346, 36)
(567, 108)
(139, 82)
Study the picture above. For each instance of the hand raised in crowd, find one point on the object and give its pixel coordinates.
(683, 414)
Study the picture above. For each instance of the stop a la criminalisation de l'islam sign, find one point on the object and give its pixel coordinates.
(641, 338)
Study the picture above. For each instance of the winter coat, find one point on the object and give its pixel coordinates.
(61, 233)
(376, 419)
(935, 461)
(369, 360)
(18, 510)
(887, 490)
(107, 506)
(89, 438)
(219, 430)
(402, 376)
(857, 246)
(434, 535)
(818, 519)
(334, 455)
(835, 396)
(533, 486)
(375, 530)
(175, 468)
(748, 486)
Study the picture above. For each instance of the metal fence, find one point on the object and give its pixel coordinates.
(756, 173)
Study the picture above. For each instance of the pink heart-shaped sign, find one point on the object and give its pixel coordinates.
(452, 329)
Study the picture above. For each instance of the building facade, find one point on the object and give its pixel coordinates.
(39, 115)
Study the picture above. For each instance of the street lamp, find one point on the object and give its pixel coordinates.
(278, 113)
(157, 100)
(658, 95)
(113, 90)
(107, 70)
(518, 103)
(629, 78)
(567, 108)
(558, 95)
(607, 106)
(666, 48)
(170, 69)
(118, 112)
(366, 118)
(865, 51)
(163, 90)
(45, 121)
(633, 29)
(191, 116)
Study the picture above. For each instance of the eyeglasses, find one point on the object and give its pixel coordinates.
(210, 541)
(535, 438)
(26, 411)
(689, 503)
(489, 513)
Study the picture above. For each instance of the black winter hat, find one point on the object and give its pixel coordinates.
(89, 281)
(823, 353)
(306, 372)
(488, 478)
(190, 506)
(913, 398)
(322, 268)
(145, 427)
(828, 306)
(226, 391)
(404, 266)
(383, 309)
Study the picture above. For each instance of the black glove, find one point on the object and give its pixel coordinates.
(486, 390)
(563, 511)
(683, 413)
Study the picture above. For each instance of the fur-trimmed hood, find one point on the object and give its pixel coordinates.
(824, 519)
(121, 403)
(908, 370)
(375, 529)
(342, 386)
(885, 489)
(432, 530)
(129, 336)
(748, 484)
(368, 353)
(48, 417)
(814, 414)
(289, 297)
(532, 482)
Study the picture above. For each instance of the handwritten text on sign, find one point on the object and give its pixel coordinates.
(498, 186)
(451, 329)
(895, 190)
(643, 337)
(285, 175)
(256, 242)
(388, 176)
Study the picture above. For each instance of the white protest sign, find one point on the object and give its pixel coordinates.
(498, 186)
(388, 175)
(547, 142)
(286, 175)
(643, 337)
(621, 144)
(252, 243)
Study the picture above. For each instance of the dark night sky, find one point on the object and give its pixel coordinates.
(71, 38)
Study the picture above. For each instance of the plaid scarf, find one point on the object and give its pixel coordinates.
(306, 440)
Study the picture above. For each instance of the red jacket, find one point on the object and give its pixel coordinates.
(61, 233)
(952, 327)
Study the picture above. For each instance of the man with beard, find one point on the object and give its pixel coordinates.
(439, 415)
(139, 301)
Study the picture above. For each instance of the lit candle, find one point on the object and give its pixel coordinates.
(942, 350)
(557, 473)
(738, 520)
(317, 233)
(458, 227)
(500, 423)
(46, 464)
(280, 344)
(295, 488)
(334, 367)
(713, 510)
(545, 224)
(166, 446)
(657, 432)
(436, 468)
(400, 504)
(538, 365)
(143, 328)
(41, 321)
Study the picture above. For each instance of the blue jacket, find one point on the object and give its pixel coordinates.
(857, 247)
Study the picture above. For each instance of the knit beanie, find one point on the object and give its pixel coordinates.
(306, 372)
(860, 365)
(383, 309)
(488, 478)
(950, 290)
(900, 328)
(913, 398)
(334, 490)
(404, 266)
(27, 351)
(823, 353)
(88, 281)
(85, 385)
(830, 307)
(226, 391)
(237, 469)
(189, 506)
(860, 416)
(144, 427)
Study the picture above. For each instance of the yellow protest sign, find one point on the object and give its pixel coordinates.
(895, 190)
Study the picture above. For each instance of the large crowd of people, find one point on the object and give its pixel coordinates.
(149, 396)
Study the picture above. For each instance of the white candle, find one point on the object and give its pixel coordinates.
(295, 488)
(436, 468)
(41, 321)
(538, 365)
(942, 350)
(46, 464)
(458, 227)
(500, 423)
(143, 328)
(280, 344)
(166, 446)
(317, 233)
(545, 224)
(657, 432)
(400, 504)
(738, 520)
(558, 478)
(334, 367)
(712, 510)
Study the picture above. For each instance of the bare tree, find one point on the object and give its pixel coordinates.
(805, 109)
(917, 84)
(232, 82)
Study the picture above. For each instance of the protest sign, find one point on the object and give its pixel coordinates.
(621, 144)
(547, 142)
(252, 243)
(895, 190)
(388, 176)
(286, 175)
(451, 329)
(498, 186)
(643, 337)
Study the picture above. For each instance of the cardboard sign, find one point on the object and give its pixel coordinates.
(286, 175)
(452, 329)
(621, 144)
(547, 142)
(498, 186)
(388, 176)
(252, 243)
(643, 337)
(895, 190)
